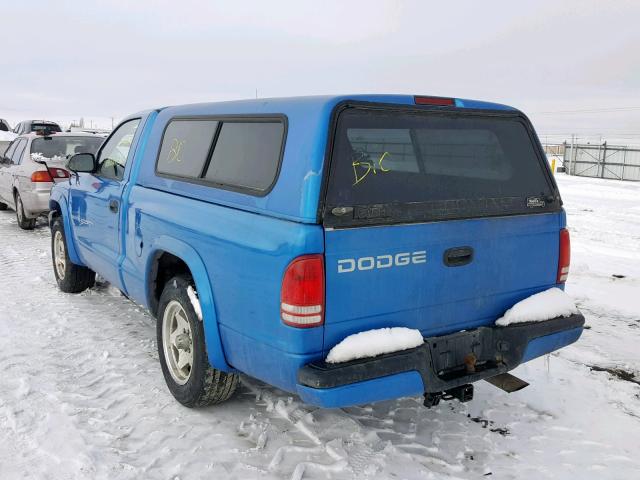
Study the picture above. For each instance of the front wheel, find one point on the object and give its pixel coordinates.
(71, 278)
(183, 354)
(23, 222)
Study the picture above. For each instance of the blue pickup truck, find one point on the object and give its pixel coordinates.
(262, 233)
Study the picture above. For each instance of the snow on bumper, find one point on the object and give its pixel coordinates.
(439, 364)
(552, 303)
(372, 343)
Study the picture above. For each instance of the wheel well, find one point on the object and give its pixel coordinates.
(55, 209)
(163, 268)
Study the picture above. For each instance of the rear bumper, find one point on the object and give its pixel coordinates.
(440, 364)
(36, 201)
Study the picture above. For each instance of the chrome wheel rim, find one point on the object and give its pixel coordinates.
(59, 256)
(177, 342)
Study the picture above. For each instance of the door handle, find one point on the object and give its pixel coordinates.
(458, 256)
(113, 206)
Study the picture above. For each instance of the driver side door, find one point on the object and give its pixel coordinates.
(95, 203)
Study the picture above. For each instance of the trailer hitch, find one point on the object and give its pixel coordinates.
(464, 393)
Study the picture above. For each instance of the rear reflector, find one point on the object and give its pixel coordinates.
(41, 176)
(302, 294)
(442, 101)
(564, 257)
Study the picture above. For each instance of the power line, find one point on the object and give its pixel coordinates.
(590, 134)
(589, 110)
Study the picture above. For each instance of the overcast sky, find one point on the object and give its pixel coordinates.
(66, 59)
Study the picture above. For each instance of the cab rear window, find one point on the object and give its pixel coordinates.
(395, 166)
(65, 146)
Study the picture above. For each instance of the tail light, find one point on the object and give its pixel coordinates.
(48, 176)
(302, 294)
(41, 176)
(441, 101)
(564, 258)
(59, 173)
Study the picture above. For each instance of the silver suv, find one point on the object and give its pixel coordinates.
(28, 126)
(30, 166)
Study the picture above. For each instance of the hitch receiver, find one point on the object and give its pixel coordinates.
(464, 393)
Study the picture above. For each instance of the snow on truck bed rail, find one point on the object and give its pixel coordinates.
(372, 343)
(542, 306)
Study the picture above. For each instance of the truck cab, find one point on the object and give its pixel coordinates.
(263, 233)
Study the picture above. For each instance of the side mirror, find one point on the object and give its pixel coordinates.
(82, 162)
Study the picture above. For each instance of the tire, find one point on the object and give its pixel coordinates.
(71, 278)
(195, 383)
(23, 222)
(3, 206)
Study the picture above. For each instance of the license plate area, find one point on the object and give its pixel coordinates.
(462, 353)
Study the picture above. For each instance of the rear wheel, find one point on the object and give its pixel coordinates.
(71, 278)
(183, 354)
(24, 222)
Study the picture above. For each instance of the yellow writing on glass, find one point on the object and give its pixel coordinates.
(175, 152)
(370, 167)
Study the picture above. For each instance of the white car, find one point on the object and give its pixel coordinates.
(31, 164)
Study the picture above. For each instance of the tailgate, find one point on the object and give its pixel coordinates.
(437, 220)
(399, 275)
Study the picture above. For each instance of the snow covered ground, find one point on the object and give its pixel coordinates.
(82, 395)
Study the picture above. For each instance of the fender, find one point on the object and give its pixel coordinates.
(64, 213)
(189, 256)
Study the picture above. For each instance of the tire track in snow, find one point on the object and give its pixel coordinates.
(82, 397)
(360, 442)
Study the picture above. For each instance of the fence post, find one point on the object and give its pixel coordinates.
(604, 159)
(571, 156)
